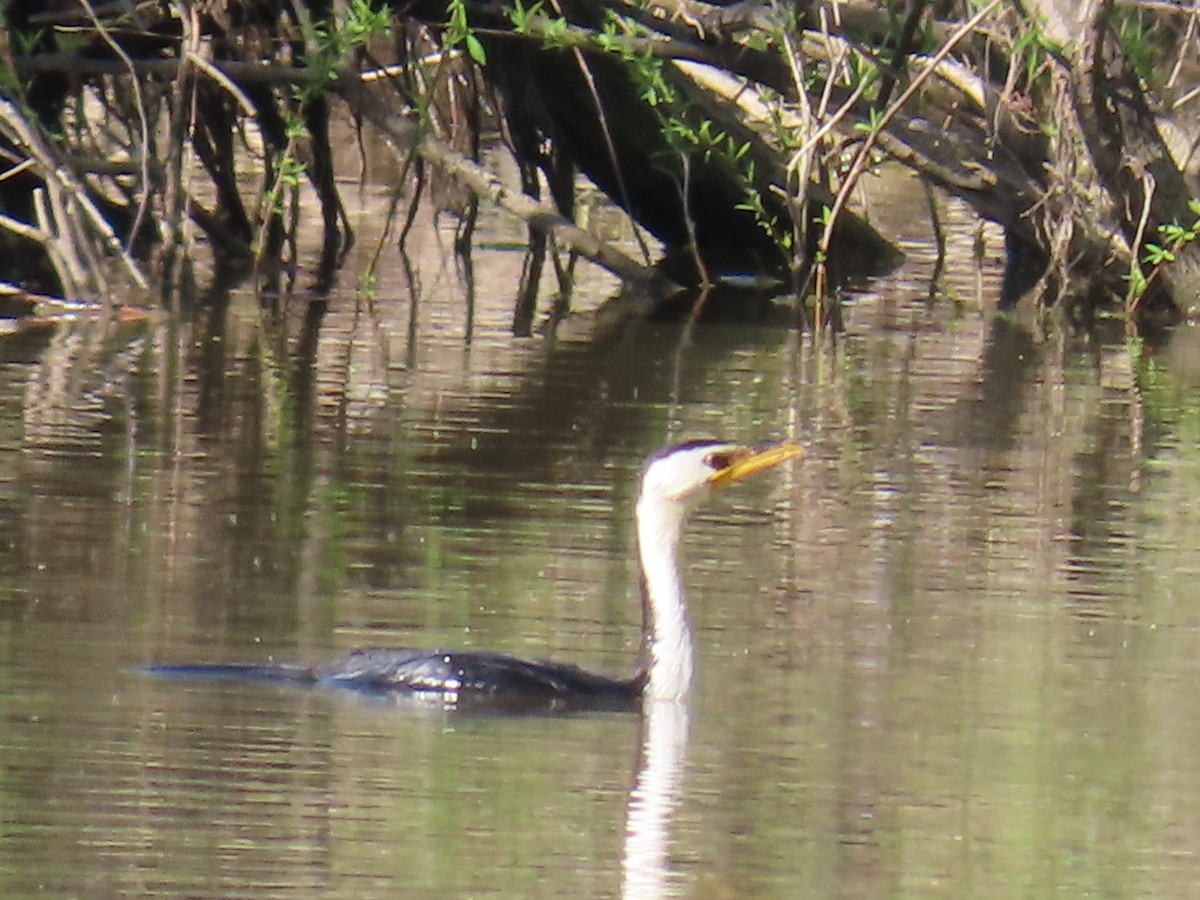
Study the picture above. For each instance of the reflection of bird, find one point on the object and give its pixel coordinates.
(674, 481)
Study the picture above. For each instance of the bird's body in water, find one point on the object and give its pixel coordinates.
(673, 482)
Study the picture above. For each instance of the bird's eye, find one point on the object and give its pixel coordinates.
(718, 461)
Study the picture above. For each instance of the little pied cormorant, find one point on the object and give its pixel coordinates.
(674, 482)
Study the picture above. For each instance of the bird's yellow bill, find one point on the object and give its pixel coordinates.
(746, 463)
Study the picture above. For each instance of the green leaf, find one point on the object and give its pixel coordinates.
(475, 50)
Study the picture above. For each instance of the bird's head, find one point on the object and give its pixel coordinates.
(686, 473)
(674, 482)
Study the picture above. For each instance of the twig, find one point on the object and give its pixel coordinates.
(1134, 298)
(140, 106)
(859, 163)
(59, 181)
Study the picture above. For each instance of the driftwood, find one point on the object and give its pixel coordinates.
(404, 133)
(695, 204)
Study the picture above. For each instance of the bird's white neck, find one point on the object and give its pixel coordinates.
(667, 636)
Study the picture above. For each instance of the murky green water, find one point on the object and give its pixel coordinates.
(952, 652)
